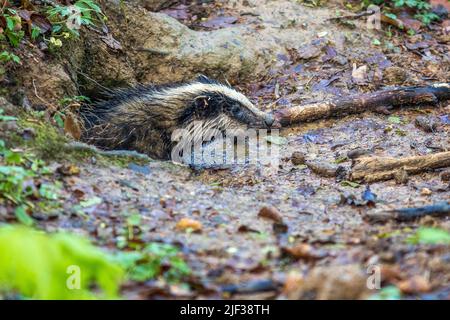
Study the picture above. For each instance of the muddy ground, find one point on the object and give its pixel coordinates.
(319, 240)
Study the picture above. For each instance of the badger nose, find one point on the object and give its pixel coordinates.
(269, 120)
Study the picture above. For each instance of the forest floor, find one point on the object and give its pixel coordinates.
(316, 238)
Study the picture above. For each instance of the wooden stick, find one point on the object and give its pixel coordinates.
(439, 209)
(370, 169)
(363, 102)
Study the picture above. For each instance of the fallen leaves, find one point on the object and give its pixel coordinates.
(186, 224)
(304, 251)
(415, 284)
(219, 22)
(270, 213)
(35, 20)
(68, 170)
(72, 126)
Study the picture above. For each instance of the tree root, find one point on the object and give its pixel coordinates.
(80, 146)
(363, 102)
(370, 169)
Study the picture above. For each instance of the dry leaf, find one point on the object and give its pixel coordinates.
(270, 213)
(187, 223)
(72, 127)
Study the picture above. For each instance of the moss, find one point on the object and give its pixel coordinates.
(50, 143)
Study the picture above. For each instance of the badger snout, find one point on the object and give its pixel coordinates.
(269, 120)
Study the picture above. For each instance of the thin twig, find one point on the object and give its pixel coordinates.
(354, 16)
(36, 94)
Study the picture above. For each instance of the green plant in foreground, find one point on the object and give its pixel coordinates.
(6, 56)
(156, 259)
(421, 8)
(67, 19)
(13, 32)
(430, 236)
(18, 184)
(387, 293)
(59, 266)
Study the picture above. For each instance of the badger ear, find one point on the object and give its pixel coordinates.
(204, 79)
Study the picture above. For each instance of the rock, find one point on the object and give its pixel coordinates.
(359, 152)
(359, 75)
(323, 168)
(445, 175)
(332, 283)
(308, 52)
(395, 75)
(270, 213)
(160, 49)
(297, 158)
(427, 124)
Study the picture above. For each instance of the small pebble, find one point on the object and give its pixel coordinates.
(427, 124)
(297, 158)
(356, 153)
(445, 175)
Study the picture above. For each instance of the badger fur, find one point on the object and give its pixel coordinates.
(143, 118)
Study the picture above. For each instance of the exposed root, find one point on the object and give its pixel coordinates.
(370, 169)
(80, 146)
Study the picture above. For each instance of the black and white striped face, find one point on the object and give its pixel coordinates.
(212, 100)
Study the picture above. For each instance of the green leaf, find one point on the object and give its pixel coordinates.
(134, 220)
(91, 202)
(352, 184)
(15, 58)
(387, 293)
(48, 191)
(391, 15)
(10, 23)
(59, 120)
(35, 32)
(13, 157)
(58, 266)
(376, 42)
(22, 216)
(394, 119)
(430, 236)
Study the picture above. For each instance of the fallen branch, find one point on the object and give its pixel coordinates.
(439, 209)
(363, 102)
(353, 16)
(370, 169)
(405, 214)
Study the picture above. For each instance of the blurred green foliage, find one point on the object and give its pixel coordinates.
(154, 260)
(59, 266)
(421, 8)
(430, 236)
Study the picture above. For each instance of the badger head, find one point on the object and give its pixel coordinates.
(221, 106)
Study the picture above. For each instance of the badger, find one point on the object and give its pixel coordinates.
(143, 118)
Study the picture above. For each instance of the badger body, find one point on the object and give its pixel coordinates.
(143, 118)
